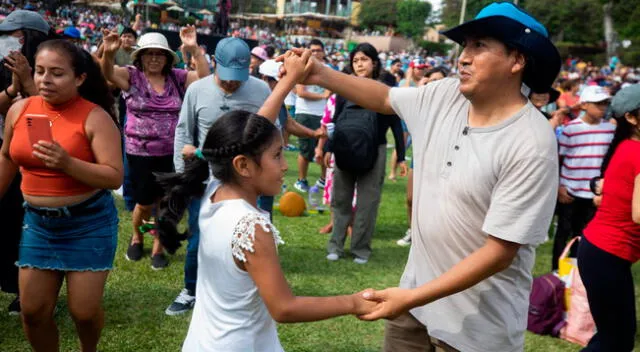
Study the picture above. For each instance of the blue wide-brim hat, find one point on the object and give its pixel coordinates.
(515, 27)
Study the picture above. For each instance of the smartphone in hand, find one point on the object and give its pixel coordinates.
(39, 128)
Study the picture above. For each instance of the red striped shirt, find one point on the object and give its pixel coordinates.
(575, 178)
(587, 132)
(591, 156)
(583, 147)
(581, 167)
(592, 144)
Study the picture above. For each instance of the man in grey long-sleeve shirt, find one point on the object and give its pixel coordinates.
(230, 88)
(204, 102)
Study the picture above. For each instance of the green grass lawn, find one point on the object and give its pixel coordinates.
(137, 296)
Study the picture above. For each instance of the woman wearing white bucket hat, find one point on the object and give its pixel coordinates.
(153, 91)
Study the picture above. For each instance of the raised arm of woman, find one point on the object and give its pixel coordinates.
(189, 39)
(119, 76)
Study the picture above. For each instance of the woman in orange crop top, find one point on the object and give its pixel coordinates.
(70, 225)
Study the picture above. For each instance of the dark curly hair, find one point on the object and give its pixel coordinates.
(235, 133)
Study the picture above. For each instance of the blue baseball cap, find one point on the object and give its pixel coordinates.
(515, 27)
(71, 32)
(626, 100)
(232, 59)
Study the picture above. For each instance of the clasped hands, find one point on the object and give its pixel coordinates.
(383, 304)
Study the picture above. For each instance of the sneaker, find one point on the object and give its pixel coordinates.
(291, 148)
(406, 240)
(159, 261)
(182, 304)
(14, 306)
(134, 252)
(320, 183)
(333, 257)
(360, 260)
(302, 186)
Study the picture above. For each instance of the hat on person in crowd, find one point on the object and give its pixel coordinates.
(626, 100)
(21, 19)
(232, 59)
(71, 32)
(516, 28)
(154, 40)
(260, 53)
(573, 76)
(594, 94)
(270, 68)
(418, 63)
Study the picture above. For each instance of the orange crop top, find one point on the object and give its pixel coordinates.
(68, 129)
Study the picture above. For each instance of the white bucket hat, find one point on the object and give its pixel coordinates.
(270, 68)
(154, 40)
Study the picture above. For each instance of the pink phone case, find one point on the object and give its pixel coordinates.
(39, 128)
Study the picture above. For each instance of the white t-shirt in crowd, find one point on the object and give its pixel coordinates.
(471, 182)
(583, 147)
(290, 100)
(229, 314)
(311, 107)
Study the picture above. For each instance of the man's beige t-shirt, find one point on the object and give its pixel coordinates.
(470, 183)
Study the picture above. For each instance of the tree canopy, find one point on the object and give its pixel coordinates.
(579, 22)
(407, 16)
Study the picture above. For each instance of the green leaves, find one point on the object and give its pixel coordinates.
(411, 17)
(407, 16)
(378, 13)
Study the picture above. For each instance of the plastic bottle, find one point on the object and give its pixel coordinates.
(315, 200)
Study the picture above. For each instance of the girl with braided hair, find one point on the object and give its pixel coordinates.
(238, 244)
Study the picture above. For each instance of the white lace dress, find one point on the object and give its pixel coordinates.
(229, 314)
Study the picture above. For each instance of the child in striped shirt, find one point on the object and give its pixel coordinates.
(583, 144)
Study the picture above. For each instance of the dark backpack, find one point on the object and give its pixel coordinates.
(546, 305)
(355, 140)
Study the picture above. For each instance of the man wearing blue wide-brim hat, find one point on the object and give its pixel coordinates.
(486, 178)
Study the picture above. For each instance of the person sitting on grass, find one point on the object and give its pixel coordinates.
(241, 289)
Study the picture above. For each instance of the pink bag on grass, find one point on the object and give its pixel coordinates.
(580, 326)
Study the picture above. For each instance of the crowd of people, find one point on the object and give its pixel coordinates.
(503, 142)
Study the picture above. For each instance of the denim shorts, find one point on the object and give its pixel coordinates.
(64, 241)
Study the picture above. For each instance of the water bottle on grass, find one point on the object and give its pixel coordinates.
(315, 200)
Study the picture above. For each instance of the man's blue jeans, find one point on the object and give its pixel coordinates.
(266, 203)
(127, 186)
(191, 261)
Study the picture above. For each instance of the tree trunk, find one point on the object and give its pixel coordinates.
(609, 33)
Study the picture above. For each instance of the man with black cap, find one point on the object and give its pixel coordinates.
(486, 171)
(229, 88)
